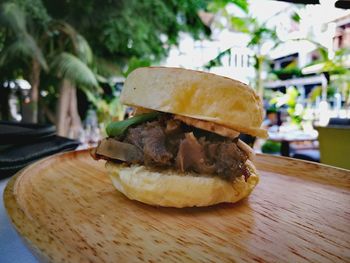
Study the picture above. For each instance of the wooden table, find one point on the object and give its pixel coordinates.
(67, 210)
(12, 248)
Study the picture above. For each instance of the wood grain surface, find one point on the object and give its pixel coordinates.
(67, 210)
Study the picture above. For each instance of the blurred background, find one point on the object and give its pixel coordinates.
(63, 63)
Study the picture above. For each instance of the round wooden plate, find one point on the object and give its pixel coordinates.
(67, 210)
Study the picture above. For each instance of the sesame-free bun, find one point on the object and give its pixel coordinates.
(171, 189)
(196, 94)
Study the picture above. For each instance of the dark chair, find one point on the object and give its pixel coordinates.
(312, 155)
(248, 139)
(22, 144)
(339, 121)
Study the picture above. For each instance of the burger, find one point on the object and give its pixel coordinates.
(182, 147)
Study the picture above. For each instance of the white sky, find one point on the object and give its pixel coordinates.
(325, 12)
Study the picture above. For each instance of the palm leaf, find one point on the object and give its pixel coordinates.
(25, 46)
(80, 45)
(106, 67)
(66, 65)
(83, 50)
(13, 17)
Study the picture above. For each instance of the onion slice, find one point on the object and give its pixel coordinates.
(208, 126)
(247, 149)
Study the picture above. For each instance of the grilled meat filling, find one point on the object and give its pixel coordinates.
(170, 143)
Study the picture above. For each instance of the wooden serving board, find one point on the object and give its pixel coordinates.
(67, 210)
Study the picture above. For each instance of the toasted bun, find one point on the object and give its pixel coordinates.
(196, 94)
(168, 188)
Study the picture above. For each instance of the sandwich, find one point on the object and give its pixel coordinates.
(181, 147)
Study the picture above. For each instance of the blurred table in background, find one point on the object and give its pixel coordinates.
(292, 136)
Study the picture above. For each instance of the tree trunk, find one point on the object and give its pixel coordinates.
(68, 121)
(34, 80)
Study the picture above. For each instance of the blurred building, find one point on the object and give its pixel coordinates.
(323, 23)
(341, 38)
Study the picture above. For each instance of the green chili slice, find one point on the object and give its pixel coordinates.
(118, 128)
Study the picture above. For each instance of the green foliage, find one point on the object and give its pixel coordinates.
(217, 5)
(217, 61)
(342, 84)
(68, 66)
(107, 109)
(2, 38)
(35, 10)
(21, 44)
(336, 65)
(59, 38)
(27, 40)
(119, 32)
(135, 63)
(121, 29)
(13, 17)
(317, 92)
(260, 34)
(296, 17)
(83, 50)
(106, 67)
(287, 72)
(23, 47)
(241, 24)
(271, 147)
(67, 38)
(290, 100)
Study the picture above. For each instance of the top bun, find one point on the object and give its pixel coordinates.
(196, 94)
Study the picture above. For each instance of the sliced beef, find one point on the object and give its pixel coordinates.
(150, 138)
(191, 156)
(224, 158)
(229, 159)
(171, 143)
(155, 152)
(211, 150)
(134, 136)
(174, 135)
(173, 127)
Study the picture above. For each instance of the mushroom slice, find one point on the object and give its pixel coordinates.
(122, 151)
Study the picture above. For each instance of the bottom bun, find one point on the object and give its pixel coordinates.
(171, 189)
